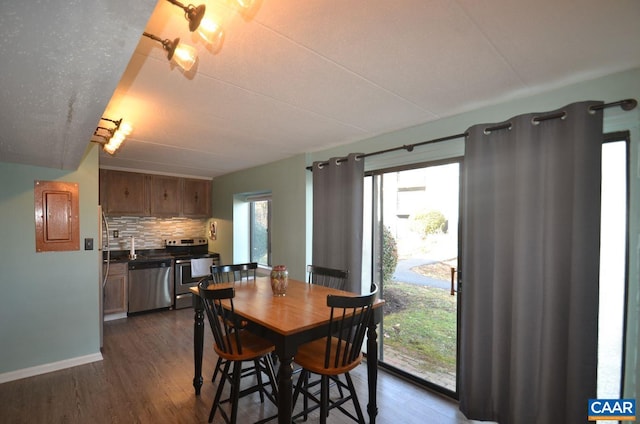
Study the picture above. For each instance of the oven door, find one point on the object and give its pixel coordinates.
(183, 282)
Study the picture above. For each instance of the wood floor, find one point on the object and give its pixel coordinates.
(146, 377)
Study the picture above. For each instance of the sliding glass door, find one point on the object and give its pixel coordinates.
(411, 251)
(414, 257)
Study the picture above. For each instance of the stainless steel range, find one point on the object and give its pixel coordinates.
(184, 251)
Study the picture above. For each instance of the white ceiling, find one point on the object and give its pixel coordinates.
(295, 77)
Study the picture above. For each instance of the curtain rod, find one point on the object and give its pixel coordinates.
(626, 104)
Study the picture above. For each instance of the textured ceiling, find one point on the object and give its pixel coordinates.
(291, 77)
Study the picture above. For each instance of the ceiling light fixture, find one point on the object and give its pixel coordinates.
(209, 29)
(113, 137)
(245, 4)
(184, 55)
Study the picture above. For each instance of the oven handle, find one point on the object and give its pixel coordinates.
(183, 261)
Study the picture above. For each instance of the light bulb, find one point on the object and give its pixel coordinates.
(210, 31)
(245, 4)
(109, 148)
(125, 128)
(117, 139)
(185, 56)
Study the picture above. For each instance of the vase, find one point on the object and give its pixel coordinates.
(279, 280)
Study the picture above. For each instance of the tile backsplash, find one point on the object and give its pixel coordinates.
(151, 232)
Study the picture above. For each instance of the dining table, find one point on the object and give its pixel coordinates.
(288, 321)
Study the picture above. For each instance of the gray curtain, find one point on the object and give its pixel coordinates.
(337, 216)
(530, 264)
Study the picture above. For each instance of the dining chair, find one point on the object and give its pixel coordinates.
(333, 356)
(327, 277)
(228, 274)
(235, 346)
(234, 272)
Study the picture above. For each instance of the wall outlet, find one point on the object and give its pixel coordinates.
(88, 244)
(116, 234)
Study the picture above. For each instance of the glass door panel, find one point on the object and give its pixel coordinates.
(613, 270)
(415, 223)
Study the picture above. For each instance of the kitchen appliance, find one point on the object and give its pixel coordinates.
(103, 266)
(183, 251)
(150, 285)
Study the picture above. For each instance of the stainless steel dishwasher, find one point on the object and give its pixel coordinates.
(150, 285)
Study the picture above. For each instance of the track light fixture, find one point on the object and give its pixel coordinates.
(113, 137)
(193, 14)
(209, 29)
(184, 55)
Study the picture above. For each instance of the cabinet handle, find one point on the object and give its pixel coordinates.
(126, 192)
(165, 195)
(196, 197)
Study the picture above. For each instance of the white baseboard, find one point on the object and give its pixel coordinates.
(46, 368)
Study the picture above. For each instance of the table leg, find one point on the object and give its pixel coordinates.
(285, 389)
(372, 371)
(198, 342)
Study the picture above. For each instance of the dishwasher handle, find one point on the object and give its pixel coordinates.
(137, 265)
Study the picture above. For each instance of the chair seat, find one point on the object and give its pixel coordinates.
(311, 356)
(252, 347)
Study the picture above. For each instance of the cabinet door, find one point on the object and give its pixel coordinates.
(164, 195)
(195, 198)
(123, 193)
(115, 290)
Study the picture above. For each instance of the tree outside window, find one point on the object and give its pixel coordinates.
(260, 222)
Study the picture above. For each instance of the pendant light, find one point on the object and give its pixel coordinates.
(209, 29)
(182, 54)
(113, 137)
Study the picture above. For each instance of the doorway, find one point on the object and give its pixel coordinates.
(414, 218)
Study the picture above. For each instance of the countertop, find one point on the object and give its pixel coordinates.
(146, 255)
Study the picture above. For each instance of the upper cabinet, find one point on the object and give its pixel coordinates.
(134, 194)
(195, 198)
(164, 196)
(123, 193)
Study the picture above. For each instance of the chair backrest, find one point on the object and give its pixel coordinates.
(234, 272)
(350, 317)
(222, 321)
(327, 277)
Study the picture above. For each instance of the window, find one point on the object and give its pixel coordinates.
(613, 265)
(260, 231)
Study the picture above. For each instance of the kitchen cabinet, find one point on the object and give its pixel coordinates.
(195, 198)
(135, 194)
(123, 193)
(164, 195)
(115, 289)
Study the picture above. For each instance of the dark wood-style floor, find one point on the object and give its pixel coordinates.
(146, 377)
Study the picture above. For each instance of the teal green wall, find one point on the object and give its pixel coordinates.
(48, 301)
(286, 180)
(289, 181)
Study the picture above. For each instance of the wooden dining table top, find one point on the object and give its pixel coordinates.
(303, 307)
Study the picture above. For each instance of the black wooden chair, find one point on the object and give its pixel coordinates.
(335, 355)
(235, 346)
(234, 272)
(327, 277)
(229, 274)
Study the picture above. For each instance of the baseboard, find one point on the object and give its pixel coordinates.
(111, 317)
(46, 368)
